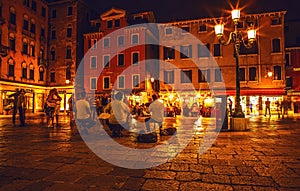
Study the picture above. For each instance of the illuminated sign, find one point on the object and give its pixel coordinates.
(296, 69)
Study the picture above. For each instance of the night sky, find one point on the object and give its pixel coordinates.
(168, 10)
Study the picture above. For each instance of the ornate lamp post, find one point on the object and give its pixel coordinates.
(236, 38)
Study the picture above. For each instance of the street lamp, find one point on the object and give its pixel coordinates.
(236, 38)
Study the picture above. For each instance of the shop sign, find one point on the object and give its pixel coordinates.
(296, 69)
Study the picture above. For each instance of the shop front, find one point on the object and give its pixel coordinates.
(253, 101)
(34, 97)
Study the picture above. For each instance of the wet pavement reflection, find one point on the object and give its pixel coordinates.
(267, 157)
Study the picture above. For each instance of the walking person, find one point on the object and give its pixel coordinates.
(50, 108)
(119, 114)
(71, 114)
(21, 107)
(268, 103)
(57, 99)
(15, 104)
(156, 110)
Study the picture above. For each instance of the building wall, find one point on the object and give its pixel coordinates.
(34, 87)
(264, 60)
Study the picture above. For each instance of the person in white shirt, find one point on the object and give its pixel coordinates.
(83, 111)
(119, 113)
(156, 110)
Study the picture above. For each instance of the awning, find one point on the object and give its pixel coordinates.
(253, 92)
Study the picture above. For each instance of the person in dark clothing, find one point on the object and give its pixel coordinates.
(15, 107)
(21, 107)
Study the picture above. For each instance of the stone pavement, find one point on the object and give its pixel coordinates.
(38, 158)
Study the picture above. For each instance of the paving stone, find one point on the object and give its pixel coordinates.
(253, 180)
(133, 184)
(188, 186)
(201, 168)
(264, 158)
(40, 185)
(66, 186)
(160, 185)
(212, 178)
(187, 176)
(227, 170)
(290, 182)
(179, 167)
(168, 175)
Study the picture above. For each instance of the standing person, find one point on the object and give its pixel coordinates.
(57, 99)
(285, 107)
(156, 110)
(70, 103)
(278, 107)
(230, 106)
(83, 112)
(21, 107)
(50, 108)
(15, 106)
(268, 103)
(119, 113)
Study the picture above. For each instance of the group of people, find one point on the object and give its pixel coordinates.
(19, 105)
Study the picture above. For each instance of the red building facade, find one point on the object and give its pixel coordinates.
(116, 53)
